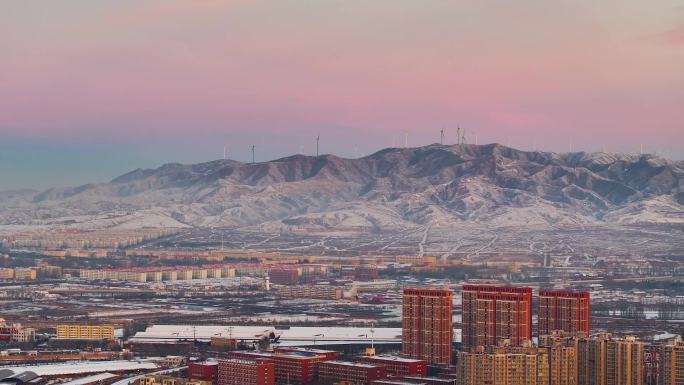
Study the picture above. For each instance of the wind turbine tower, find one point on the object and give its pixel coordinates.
(441, 136)
(318, 138)
(253, 147)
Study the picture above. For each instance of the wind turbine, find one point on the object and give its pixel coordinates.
(441, 136)
(318, 138)
(253, 147)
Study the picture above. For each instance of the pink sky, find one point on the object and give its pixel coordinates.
(600, 74)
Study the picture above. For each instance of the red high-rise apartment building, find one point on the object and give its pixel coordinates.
(238, 371)
(427, 331)
(566, 311)
(495, 313)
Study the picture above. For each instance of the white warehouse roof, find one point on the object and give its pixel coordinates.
(78, 367)
(293, 335)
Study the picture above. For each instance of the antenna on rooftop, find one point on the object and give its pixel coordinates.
(253, 147)
(318, 138)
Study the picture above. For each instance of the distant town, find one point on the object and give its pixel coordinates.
(135, 308)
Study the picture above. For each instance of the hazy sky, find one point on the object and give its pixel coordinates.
(91, 89)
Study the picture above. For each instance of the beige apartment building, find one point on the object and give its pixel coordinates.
(672, 363)
(6, 273)
(315, 292)
(153, 275)
(504, 366)
(600, 359)
(85, 332)
(19, 273)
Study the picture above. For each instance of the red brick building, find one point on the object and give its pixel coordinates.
(284, 276)
(430, 380)
(295, 368)
(353, 372)
(237, 371)
(397, 366)
(563, 310)
(207, 371)
(494, 313)
(330, 355)
(366, 273)
(7, 333)
(427, 332)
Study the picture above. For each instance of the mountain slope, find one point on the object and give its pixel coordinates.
(393, 188)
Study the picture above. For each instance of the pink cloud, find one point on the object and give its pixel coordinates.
(674, 36)
(155, 11)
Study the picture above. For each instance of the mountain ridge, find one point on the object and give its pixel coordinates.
(394, 187)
